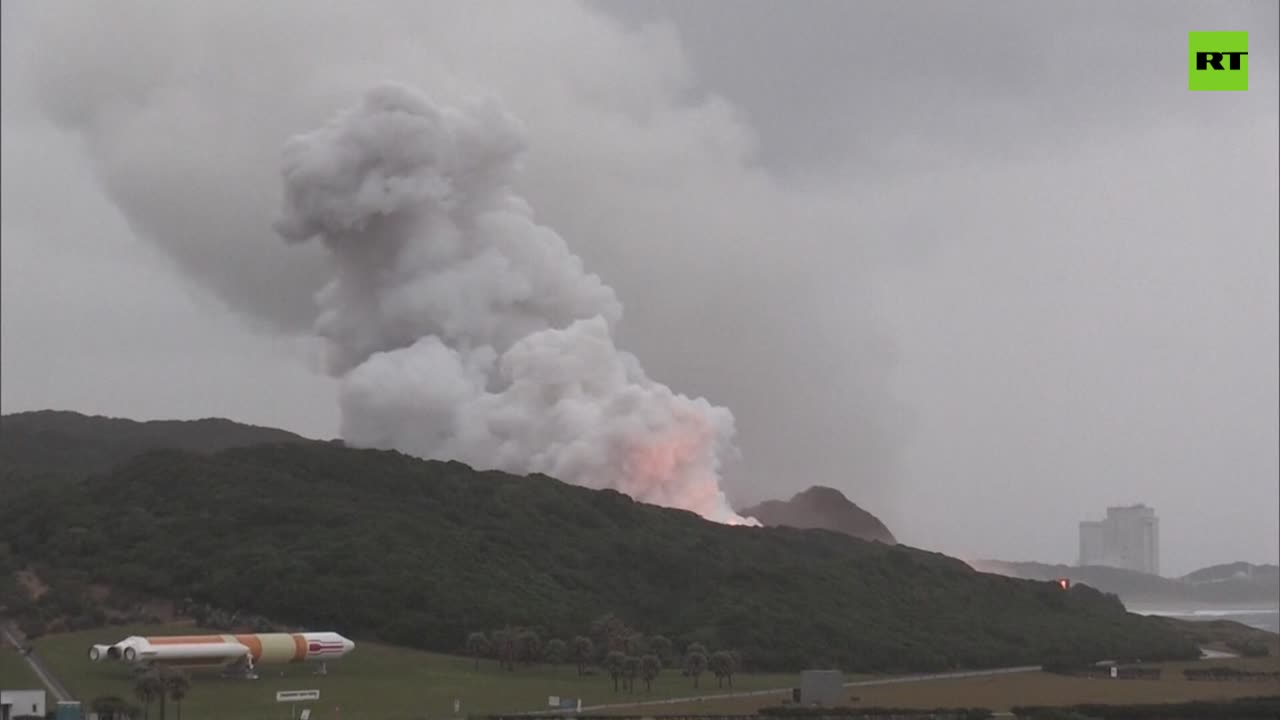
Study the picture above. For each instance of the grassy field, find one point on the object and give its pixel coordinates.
(374, 682)
(14, 672)
(387, 683)
(1003, 691)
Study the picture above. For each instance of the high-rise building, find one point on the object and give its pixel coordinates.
(1093, 543)
(1129, 538)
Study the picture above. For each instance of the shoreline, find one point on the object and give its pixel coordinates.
(1204, 610)
(1253, 615)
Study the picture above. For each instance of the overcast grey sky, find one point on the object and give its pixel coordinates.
(987, 267)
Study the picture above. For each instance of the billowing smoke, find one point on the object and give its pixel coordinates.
(462, 329)
(170, 118)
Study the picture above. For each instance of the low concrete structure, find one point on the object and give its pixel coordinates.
(21, 703)
(822, 687)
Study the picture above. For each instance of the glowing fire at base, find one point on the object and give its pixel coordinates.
(650, 465)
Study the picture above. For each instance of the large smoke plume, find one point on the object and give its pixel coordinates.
(171, 118)
(462, 329)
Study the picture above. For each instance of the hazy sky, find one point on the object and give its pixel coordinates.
(987, 267)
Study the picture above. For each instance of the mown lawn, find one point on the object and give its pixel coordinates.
(377, 682)
(1004, 691)
(15, 674)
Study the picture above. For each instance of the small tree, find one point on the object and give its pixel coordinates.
(721, 664)
(660, 646)
(609, 633)
(477, 646)
(695, 663)
(583, 651)
(614, 664)
(504, 648)
(555, 652)
(650, 666)
(529, 646)
(631, 668)
(636, 644)
(735, 664)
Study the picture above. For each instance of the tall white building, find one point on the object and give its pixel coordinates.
(1128, 538)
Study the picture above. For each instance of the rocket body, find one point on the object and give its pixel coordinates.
(247, 649)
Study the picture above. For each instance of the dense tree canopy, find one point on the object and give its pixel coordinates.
(381, 545)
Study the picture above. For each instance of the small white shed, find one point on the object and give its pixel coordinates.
(21, 703)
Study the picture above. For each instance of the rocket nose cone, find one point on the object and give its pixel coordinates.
(347, 646)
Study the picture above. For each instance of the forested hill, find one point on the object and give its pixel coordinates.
(380, 545)
(54, 445)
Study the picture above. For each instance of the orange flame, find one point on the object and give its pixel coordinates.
(674, 468)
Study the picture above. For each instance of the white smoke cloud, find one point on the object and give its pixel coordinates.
(463, 330)
(180, 110)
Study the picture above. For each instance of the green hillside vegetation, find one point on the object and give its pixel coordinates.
(382, 546)
(375, 681)
(55, 445)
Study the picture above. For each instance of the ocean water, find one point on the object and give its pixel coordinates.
(1262, 618)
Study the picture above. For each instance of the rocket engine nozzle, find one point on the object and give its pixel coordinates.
(98, 653)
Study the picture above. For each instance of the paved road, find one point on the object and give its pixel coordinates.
(16, 639)
(945, 676)
(787, 691)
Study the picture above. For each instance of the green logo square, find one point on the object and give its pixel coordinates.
(1218, 61)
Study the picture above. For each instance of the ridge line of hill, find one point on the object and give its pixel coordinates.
(421, 553)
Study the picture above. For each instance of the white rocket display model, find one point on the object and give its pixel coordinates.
(232, 652)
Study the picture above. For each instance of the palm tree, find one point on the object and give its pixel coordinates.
(583, 651)
(477, 646)
(160, 674)
(614, 664)
(695, 663)
(178, 685)
(111, 707)
(650, 666)
(146, 688)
